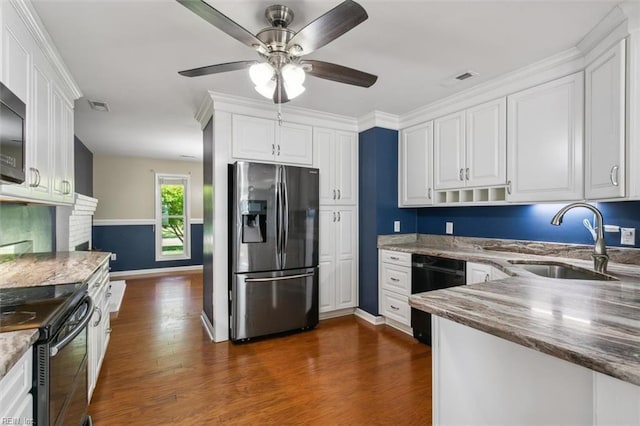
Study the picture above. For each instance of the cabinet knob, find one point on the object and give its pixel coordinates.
(614, 175)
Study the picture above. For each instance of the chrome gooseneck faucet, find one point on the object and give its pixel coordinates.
(600, 257)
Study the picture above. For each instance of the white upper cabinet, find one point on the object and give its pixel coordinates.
(544, 134)
(30, 73)
(449, 151)
(416, 166)
(605, 125)
(335, 154)
(263, 139)
(486, 147)
(470, 147)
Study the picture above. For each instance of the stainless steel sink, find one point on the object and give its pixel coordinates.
(559, 270)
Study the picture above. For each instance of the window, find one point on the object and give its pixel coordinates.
(173, 239)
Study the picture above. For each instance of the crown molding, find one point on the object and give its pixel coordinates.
(556, 66)
(631, 9)
(606, 26)
(378, 119)
(266, 109)
(43, 40)
(205, 111)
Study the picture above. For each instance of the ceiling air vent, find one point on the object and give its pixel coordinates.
(98, 105)
(458, 78)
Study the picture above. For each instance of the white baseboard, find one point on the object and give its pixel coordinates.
(140, 273)
(399, 326)
(336, 314)
(208, 327)
(373, 319)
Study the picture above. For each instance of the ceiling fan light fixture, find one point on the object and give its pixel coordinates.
(293, 90)
(267, 89)
(293, 74)
(261, 73)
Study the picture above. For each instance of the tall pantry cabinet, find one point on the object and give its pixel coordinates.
(335, 154)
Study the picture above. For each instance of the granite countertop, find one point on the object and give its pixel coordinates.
(594, 324)
(13, 345)
(36, 269)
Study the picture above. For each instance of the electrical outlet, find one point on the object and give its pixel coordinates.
(114, 257)
(449, 228)
(628, 236)
(396, 226)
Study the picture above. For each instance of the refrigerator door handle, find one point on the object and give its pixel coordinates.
(285, 217)
(278, 221)
(270, 279)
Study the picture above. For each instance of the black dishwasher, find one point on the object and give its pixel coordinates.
(432, 273)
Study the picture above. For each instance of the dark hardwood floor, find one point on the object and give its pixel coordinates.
(161, 368)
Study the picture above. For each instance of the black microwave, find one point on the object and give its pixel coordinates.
(12, 136)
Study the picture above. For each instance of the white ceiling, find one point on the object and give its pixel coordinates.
(127, 53)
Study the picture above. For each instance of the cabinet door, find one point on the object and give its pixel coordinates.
(323, 159)
(59, 141)
(294, 144)
(68, 169)
(326, 258)
(40, 147)
(346, 259)
(346, 172)
(16, 59)
(415, 166)
(605, 125)
(253, 138)
(544, 141)
(448, 151)
(486, 144)
(478, 273)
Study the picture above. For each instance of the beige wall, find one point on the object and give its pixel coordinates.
(124, 186)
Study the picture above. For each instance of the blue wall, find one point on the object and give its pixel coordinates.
(378, 206)
(530, 222)
(135, 246)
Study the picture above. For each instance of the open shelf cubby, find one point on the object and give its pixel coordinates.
(471, 195)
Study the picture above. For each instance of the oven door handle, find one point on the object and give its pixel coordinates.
(79, 327)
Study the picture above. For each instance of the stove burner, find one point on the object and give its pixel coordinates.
(16, 318)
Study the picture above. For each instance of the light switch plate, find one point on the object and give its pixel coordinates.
(628, 236)
(449, 228)
(396, 226)
(114, 257)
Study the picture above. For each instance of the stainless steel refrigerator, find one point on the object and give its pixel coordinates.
(273, 237)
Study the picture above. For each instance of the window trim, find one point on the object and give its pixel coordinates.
(157, 227)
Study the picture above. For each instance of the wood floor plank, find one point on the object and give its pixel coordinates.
(161, 368)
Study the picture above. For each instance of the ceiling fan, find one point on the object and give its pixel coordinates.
(280, 76)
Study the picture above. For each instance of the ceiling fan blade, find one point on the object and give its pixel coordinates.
(338, 73)
(223, 23)
(329, 26)
(214, 69)
(280, 95)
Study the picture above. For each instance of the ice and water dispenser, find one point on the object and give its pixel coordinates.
(254, 221)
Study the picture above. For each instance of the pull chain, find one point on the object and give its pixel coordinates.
(280, 115)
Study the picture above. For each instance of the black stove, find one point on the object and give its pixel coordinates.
(42, 307)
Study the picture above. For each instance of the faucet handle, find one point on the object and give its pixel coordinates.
(600, 262)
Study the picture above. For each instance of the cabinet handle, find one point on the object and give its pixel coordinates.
(460, 174)
(109, 330)
(394, 258)
(338, 216)
(334, 216)
(339, 194)
(509, 187)
(278, 149)
(487, 278)
(37, 173)
(273, 149)
(614, 175)
(66, 187)
(395, 280)
(395, 308)
(429, 193)
(95, 324)
(334, 194)
(466, 173)
(108, 293)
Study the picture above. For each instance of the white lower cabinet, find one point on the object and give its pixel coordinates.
(482, 273)
(338, 257)
(16, 403)
(99, 326)
(394, 284)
